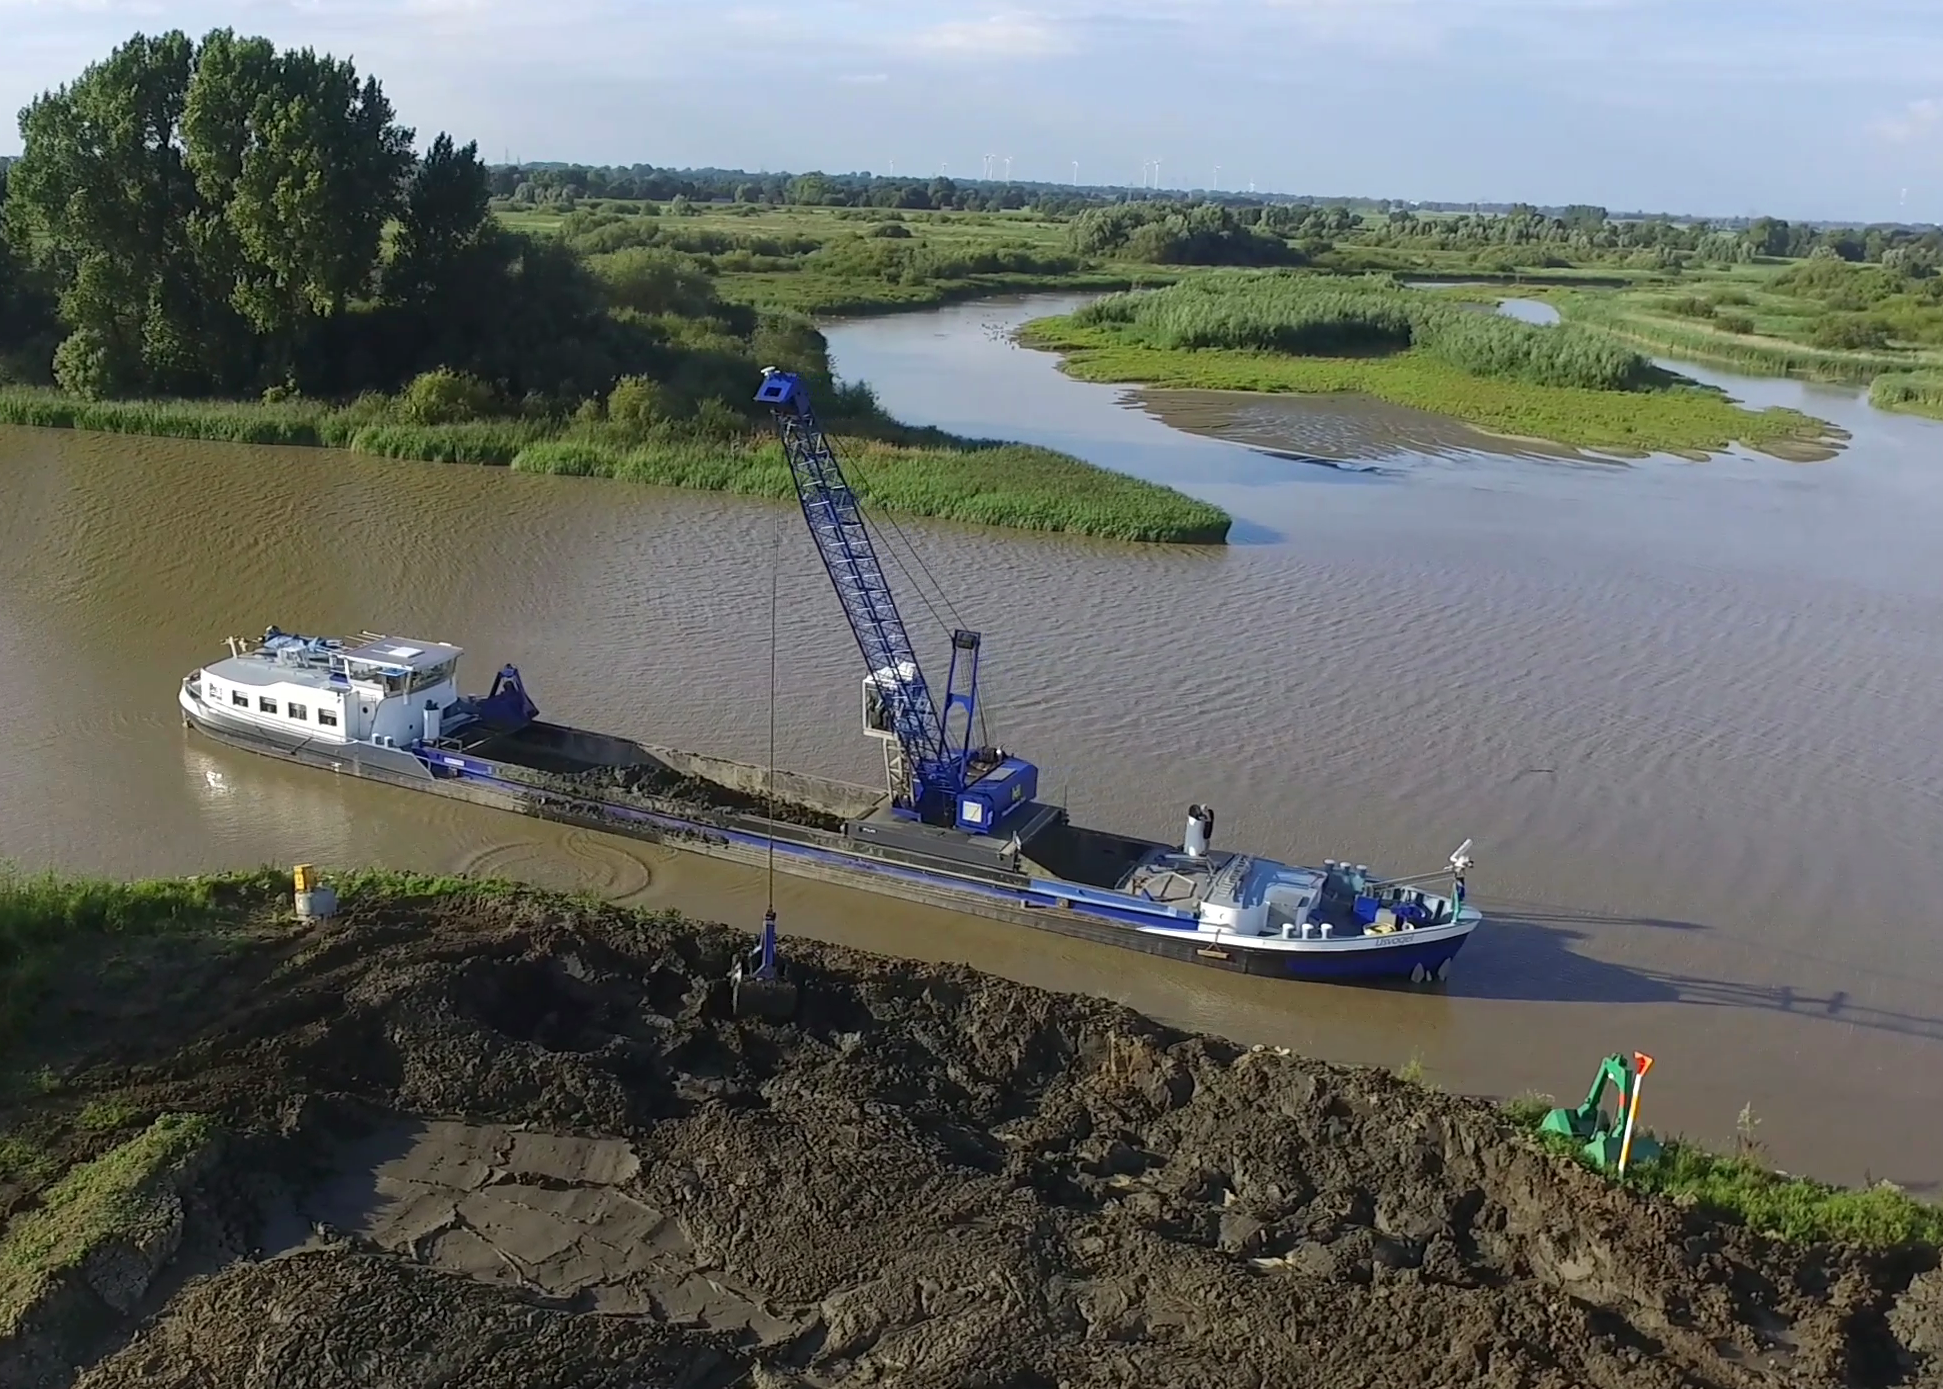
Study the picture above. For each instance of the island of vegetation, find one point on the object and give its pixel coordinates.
(1280, 331)
(220, 240)
(579, 1140)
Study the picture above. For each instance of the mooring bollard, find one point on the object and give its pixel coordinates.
(315, 900)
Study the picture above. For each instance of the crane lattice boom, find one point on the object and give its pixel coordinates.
(935, 771)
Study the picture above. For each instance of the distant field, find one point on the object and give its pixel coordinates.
(831, 260)
(1827, 320)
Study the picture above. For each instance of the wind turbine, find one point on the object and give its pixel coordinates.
(1008, 168)
(1217, 179)
(1075, 173)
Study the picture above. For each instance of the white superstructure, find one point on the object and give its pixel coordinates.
(377, 689)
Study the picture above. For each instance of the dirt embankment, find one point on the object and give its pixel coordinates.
(506, 1142)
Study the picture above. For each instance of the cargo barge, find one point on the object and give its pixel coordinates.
(390, 711)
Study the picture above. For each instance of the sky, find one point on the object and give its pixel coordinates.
(1805, 109)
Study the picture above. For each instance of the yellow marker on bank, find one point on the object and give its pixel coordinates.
(1642, 1063)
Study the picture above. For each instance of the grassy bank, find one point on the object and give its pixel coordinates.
(120, 1198)
(1745, 1190)
(1013, 485)
(1821, 319)
(44, 919)
(1641, 322)
(917, 472)
(1916, 392)
(1296, 334)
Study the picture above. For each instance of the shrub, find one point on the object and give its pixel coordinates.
(636, 403)
(1734, 323)
(653, 280)
(87, 364)
(444, 397)
(1849, 333)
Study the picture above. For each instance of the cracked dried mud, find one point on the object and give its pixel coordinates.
(512, 1142)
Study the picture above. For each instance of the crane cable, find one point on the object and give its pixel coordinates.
(775, 565)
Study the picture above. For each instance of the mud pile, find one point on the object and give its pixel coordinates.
(653, 781)
(502, 1141)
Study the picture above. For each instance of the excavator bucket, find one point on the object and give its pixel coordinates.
(774, 999)
(1600, 1133)
(757, 988)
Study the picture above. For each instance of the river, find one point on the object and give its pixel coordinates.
(1687, 711)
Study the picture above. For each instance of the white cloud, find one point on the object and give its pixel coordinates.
(1012, 34)
(1916, 120)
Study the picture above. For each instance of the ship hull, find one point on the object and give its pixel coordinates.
(828, 856)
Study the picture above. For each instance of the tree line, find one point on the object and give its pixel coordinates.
(220, 218)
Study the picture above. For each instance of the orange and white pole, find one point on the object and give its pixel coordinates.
(1642, 1063)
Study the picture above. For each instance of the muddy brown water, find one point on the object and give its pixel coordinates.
(1687, 711)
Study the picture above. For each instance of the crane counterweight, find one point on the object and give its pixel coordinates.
(935, 772)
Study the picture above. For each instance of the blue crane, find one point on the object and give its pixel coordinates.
(937, 775)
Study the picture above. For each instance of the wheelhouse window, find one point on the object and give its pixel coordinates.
(239, 699)
(297, 711)
(327, 718)
(268, 706)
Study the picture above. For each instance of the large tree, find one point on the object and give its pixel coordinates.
(444, 224)
(304, 165)
(204, 209)
(100, 201)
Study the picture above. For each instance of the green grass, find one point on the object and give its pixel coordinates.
(1821, 319)
(41, 916)
(1918, 393)
(1012, 485)
(827, 295)
(1644, 325)
(961, 480)
(120, 1195)
(1743, 1191)
(1682, 419)
(1789, 1208)
(1309, 315)
(831, 261)
(241, 422)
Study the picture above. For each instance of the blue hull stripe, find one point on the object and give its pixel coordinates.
(1387, 960)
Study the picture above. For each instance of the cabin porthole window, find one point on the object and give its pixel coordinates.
(326, 718)
(297, 711)
(268, 706)
(239, 699)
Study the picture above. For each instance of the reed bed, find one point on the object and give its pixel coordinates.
(1309, 315)
(1915, 392)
